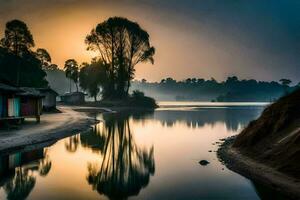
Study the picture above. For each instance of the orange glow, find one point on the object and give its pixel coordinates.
(181, 42)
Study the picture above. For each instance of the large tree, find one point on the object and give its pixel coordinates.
(72, 72)
(18, 63)
(17, 37)
(121, 44)
(17, 40)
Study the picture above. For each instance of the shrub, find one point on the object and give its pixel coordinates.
(138, 94)
(138, 99)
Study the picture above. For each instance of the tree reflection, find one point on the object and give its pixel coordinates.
(125, 168)
(20, 185)
(72, 143)
(17, 175)
(45, 164)
(93, 139)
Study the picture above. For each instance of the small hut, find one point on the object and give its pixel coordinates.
(31, 103)
(9, 103)
(49, 100)
(73, 98)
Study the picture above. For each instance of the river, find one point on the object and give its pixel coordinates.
(136, 155)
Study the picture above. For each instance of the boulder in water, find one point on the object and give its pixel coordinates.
(203, 162)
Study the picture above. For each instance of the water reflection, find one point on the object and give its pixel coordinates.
(72, 143)
(112, 159)
(233, 118)
(126, 168)
(266, 193)
(17, 171)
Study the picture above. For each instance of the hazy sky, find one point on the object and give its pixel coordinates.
(193, 38)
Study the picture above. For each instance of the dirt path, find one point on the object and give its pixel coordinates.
(52, 127)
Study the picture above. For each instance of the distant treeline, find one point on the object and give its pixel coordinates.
(198, 89)
(121, 44)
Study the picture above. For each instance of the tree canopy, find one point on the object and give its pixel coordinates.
(17, 37)
(18, 63)
(121, 44)
(72, 71)
(285, 81)
(44, 57)
(92, 77)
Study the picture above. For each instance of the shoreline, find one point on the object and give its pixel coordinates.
(70, 122)
(258, 172)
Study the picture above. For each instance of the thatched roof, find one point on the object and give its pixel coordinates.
(44, 90)
(33, 92)
(73, 94)
(8, 88)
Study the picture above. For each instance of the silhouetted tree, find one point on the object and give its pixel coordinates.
(44, 57)
(232, 80)
(188, 81)
(52, 67)
(121, 44)
(18, 41)
(200, 80)
(17, 37)
(285, 83)
(193, 80)
(213, 80)
(170, 80)
(72, 72)
(93, 76)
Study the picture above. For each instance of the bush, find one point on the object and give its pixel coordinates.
(137, 94)
(138, 99)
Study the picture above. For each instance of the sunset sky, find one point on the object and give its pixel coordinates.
(194, 38)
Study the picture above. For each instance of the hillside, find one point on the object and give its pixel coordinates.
(274, 138)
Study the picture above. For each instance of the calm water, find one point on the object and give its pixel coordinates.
(136, 156)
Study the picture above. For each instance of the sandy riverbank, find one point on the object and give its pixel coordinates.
(286, 185)
(52, 127)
